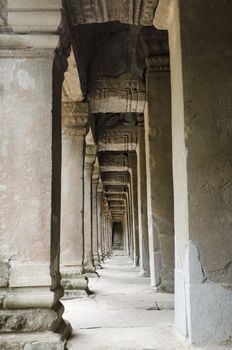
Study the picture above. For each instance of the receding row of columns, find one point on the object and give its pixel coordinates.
(182, 183)
(85, 221)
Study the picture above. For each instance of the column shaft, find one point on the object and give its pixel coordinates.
(90, 157)
(134, 184)
(142, 203)
(75, 117)
(95, 221)
(30, 186)
(159, 173)
(200, 49)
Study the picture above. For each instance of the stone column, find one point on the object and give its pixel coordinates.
(30, 134)
(132, 158)
(110, 233)
(131, 226)
(200, 51)
(158, 141)
(142, 201)
(107, 234)
(99, 218)
(95, 180)
(129, 223)
(75, 119)
(90, 156)
(103, 233)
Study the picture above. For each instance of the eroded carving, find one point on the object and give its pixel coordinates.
(74, 118)
(138, 12)
(121, 94)
(118, 140)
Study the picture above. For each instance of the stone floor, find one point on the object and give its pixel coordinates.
(124, 313)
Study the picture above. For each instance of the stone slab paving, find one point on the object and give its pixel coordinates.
(124, 313)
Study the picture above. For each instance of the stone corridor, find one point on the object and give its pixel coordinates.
(124, 313)
(115, 133)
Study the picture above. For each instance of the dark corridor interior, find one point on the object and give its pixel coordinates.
(117, 237)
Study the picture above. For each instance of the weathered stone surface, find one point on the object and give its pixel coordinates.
(159, 173)
(74, 128)
(32, 341)
(201, 124)
(124, 94)
(134, 12)
(36, 320)
(142, 201)
(90, 157)
(4, 273)
(120, 139)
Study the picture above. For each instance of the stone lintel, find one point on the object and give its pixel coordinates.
(122, 94)
(134, 12)
(120, 139)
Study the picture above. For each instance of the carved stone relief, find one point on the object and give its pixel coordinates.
(124, 139)
(138, 12)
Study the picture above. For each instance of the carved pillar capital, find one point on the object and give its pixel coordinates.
(75, 118)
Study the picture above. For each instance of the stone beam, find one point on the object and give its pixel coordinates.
(115, 189)
(110, 162)
(115, 178)
(121, 94)
(137, 12)
(120, 139)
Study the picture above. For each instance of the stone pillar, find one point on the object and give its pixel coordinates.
(107, 235)
(110, 233)
(95, 180)
(74, 118)
(103, 233)
(200, 51)
(99, 219)
(30, 134)
(142, 201)
(132, 158)
(90, 156)
(126, 230)
(131, 221)
(158, 141)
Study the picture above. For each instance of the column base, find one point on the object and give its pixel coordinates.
(32, 341)
(144, 273)
(97, 261)
(89, 267)
(31, 303)
(75, 287)
(167, 286)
